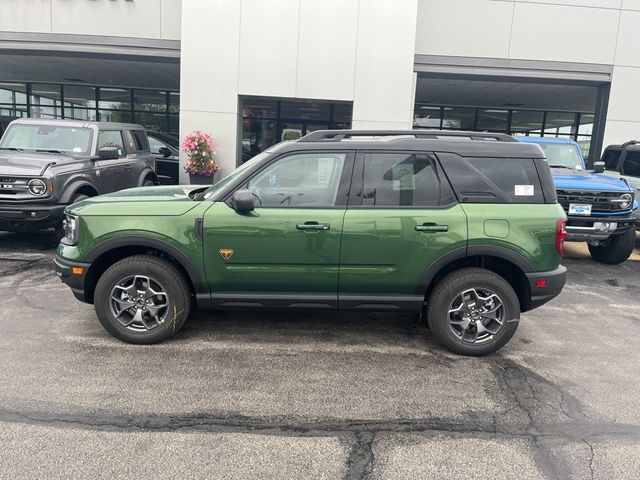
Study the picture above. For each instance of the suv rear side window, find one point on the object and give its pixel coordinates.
(610, 158)
(111, 138)
(631, 164)
(401, 180)
(493, 180)
(140, 140)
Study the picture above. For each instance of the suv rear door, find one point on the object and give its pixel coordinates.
(285, 252)
(112, 173)
(402, 217)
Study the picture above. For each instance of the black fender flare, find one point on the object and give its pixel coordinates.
(459, 253)
(146, 173)
(75, 185)
(150, 242)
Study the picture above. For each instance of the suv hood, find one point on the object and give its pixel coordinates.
(568, 179)
(157, 201)
(29, 164)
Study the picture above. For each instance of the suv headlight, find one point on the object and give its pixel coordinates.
(71, 226)
(37, 187)
(625, 201)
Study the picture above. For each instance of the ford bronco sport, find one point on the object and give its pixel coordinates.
(47, 164)
(464, 223)
(599, 207)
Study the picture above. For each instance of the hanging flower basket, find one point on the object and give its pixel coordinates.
(202, 164)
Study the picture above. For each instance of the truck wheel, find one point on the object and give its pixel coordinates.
(619, 248)
(142, 299)
(148, 183)
(473, 311)
(78, 197)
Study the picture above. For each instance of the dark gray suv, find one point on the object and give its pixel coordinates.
(46, 165)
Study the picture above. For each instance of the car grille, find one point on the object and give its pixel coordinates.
(11, 186)
(599, 201)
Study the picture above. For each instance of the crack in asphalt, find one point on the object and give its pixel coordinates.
(591, 458)
(361, 458)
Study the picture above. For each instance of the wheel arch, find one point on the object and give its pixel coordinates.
(147, 173)
(83, 187)
(504, 262)
(106, 254)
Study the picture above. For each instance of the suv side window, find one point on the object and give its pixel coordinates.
(111, 138)
(401, 180)
(631, 164)
(299, 180)
(610, 158)
(139, 140)
(155, 145)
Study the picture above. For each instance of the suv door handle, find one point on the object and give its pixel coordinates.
(431, 227)
(313, 226)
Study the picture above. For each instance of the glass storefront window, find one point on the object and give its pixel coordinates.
(13, 93)
(267, 121)
(174, 102)
(560, 123)
(149, 101)
(426, 116)
(459, 118)
(77, 96)
(526, 121)
(156, 122)
(114, 116)
(115, 98)
(493, 120)
(79, 113)
(305, 110)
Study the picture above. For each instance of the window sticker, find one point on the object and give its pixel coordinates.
(524, 190)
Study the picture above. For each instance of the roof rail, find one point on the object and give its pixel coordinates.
(339, 135)
(630, 142)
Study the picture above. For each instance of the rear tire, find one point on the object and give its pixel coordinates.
(456, 315)
(148, 183)
(142, 299)
(618, 250)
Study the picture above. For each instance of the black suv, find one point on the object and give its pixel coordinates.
(46, 165)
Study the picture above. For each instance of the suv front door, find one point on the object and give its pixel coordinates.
(285, 252)
(402, 217)
(112, 174)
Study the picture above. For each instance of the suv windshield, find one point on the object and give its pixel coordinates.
(48, 138)
(562, 155)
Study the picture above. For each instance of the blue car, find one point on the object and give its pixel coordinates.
(599, 208)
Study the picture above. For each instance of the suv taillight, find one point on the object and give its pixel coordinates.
(561, 235)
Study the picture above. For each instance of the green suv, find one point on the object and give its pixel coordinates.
(464, 225)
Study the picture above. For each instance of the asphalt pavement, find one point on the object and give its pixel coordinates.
(303, 395)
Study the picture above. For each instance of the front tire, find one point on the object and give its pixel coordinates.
(617, 250)
(142, 299)
(473, 311)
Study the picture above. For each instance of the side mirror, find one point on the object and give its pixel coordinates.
(164, 151)
(242, 201)
(108, 153)
(598, 167)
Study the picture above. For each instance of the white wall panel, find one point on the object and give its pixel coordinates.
(25, 16)
(620, 132)
(105, 17)
(170, 19)
(269, 47)
(624, 100)
(209, 57)
(463, 28)
(628, 49)
(631, 4)
(384, 62)
(578, 3)
(559, 33)
(327, 49)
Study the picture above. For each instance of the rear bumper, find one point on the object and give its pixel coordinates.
(555, 280)
(75, 281)
(580, 229)
(29, 217)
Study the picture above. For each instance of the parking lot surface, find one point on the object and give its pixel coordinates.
(302, 395)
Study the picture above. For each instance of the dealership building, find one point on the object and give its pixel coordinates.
(255, 72)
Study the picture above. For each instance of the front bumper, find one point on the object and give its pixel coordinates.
(73, 279)
(545, 286)
(580, 229)
(30, 217)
